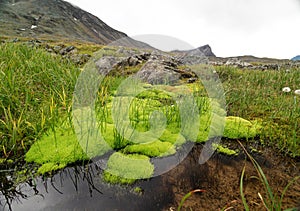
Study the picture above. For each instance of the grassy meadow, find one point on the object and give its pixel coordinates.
(255, 94)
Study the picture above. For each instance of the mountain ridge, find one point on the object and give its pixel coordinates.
(58, 19)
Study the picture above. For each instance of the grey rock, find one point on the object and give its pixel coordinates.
(162, 69)
(67, 50)
(80, 59)
(107, 63)
(237, 63)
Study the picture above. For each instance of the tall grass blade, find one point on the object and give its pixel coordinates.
(242, 192)
(187, 196)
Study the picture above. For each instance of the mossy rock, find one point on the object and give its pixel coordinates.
(153, 149)
(126, 169)
(237, 127)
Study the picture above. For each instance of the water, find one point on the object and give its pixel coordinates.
(81, 188)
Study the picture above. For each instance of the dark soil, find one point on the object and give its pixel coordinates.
(220, 178)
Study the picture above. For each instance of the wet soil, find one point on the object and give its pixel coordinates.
(220, 178)
(81, 188)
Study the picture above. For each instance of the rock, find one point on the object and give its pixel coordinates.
(57, 48)
(162, 69)
(107, 63)
(133, 61)
(237, 63)
(125, 52)
(189, 59)
(192, 80)
(80, 58)
(206, 50)
(67, 50)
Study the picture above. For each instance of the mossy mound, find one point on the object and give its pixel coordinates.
(60, 147)
(126, 169)
(173, 137)
(154, 149)
(55, 150)
(237, 127)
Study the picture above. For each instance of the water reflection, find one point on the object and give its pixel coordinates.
(80, 188)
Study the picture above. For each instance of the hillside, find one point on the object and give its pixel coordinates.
(57, 20)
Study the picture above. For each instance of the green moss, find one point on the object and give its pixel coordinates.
(49, 167)
(173, 138)
(153, 149)
(237, 127)
(138, 190)
(126, 169)
(154, 94)
(60, 147)
(224, 150)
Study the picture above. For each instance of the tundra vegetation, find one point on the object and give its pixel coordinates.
(36, 125)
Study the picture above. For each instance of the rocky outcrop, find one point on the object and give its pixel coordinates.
(69, 52)
(163, 69)
(259, 64)
(203, 51)
(195, 56)
(158, 68)
(237, 63)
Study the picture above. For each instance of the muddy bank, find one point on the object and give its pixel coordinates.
(220, 178)
(81, 188)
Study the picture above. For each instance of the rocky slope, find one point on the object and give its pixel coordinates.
(204, 50)
(57, 19)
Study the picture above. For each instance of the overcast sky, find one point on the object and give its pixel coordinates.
(263, 28)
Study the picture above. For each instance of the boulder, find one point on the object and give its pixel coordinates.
(106, 63)
(163, 69)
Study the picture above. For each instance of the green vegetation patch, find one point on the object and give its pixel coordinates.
(55, 150)
(35, 88)
(237, 127)
(224, 150)
(153, 149)
(126, 169)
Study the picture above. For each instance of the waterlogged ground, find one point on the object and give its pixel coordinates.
(81, 188)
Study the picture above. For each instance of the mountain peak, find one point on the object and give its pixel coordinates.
(206, 50)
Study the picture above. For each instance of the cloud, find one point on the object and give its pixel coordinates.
(231, 27)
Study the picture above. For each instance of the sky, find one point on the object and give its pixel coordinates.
(263, 28)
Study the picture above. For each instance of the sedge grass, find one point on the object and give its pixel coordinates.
(35, 87)
(256, 94)
(272, 202)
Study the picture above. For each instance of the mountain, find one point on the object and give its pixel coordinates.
(57, 20)
(204, 50)
(296, 58)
